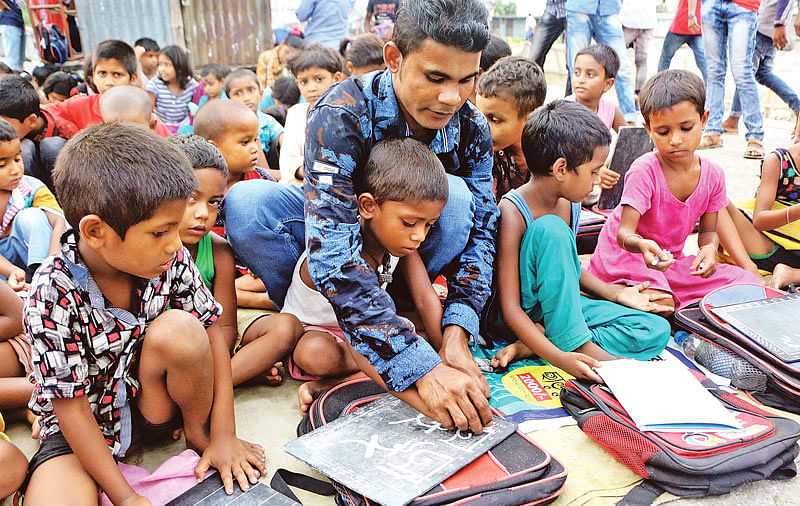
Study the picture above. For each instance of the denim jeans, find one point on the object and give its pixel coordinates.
(28, 242)
(13, 45)
(265, 226)
(581, 28)
(548, 30)
(729, 28)
(763, 58)
(673, 41)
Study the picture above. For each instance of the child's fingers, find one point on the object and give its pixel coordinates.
(201, 468)
(641, 286)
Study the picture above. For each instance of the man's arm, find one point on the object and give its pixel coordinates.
(782, 14)
(304, 11)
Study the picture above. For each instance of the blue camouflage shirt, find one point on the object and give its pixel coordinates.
(341, 130)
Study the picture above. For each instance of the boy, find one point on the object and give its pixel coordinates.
(122, 274)
(242, 86)
(272, 62)
(285, 94)
(538, 271)
(146, 50)
(315, 69)
(507, 93)
(213, 76)
(497, 48)
(133, 104)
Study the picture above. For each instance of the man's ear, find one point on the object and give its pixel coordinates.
(367, 205)
(135, 79)
(94, 231)
(609, 84)
(349, 66)
(392, 57)
(560, 169)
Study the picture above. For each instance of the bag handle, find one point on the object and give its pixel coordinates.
(642, 494)
(283, 479)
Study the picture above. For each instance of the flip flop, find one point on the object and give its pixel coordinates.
(755, 150)
(710, 141)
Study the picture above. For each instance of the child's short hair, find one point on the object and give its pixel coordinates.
(605, 56)
(129, 171)
(18, 98)
(147, 44)
(121, 103)
(366, 50)
(7, 132)
(7, 71)
(180, 61)
(669, 87)
(59, 82)
(285, 91)
(114, 50)
(42, 72)
(496, 49)
(403, 169)
(201, 153)
(562, 129)
(216, 118)
(295, 39)
(236, 74)
(461, 24)
(215, 69)
(517, 80)
(316, 55)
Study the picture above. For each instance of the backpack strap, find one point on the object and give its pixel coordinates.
(283, 479)
(642, 494)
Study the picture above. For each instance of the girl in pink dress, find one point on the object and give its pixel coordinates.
(665, 193)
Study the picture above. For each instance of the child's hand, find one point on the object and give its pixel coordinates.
(234, 459)
(579, 365)
(705, 263)
(655, 257)
(633, 297)
(136, 500)
(16, 280)
(608, 178)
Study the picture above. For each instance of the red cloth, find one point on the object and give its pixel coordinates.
(73, 115)
(749, 4)
(681, 20)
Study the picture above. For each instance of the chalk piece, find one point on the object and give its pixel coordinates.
(701, 265)
(655, 261)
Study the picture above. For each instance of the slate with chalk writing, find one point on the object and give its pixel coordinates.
(390, 452)
(633, 142)
(212, 493)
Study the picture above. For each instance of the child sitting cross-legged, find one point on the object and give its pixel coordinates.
(401, 193)
(538, 271)
(118, 319)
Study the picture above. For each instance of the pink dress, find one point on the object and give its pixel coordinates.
(605, 109)
(667, 221)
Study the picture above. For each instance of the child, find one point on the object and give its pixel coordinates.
(12, 462)
(15, 354)
(538, 271)
(665, 193)
(285, 94)
(362, 55)
(242, 86)
(58, 87)
(133, 104)
(272, 62)
(497, 48)
(315, 69)
(402, 191)
(213, 76)
(172, 88)
(261, 345)
(146, 50)
(594, 73)
(507, 93)
(32, 223)
(118, 322)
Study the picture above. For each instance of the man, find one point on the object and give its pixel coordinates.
(548, 30)
(432, 65)
(685, 29)
(380, 16)
(12, 28)
(327, 20)
(638, 20)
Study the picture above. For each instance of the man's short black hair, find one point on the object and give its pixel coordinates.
(285, 91)
(605, 56)
(7, 132)
(59, 82)
(455, 23)
(236, 74)
(128, 171)
(115, 50)
(366, 50)
(18, 98)
(215, 69)
(403, 169)
(496, 49)
(316, 55)
(562, 129)
(517, 80)
(669, 87)
(180, 61)
(147, 44)
(201, 153)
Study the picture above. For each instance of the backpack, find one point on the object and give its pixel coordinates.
(687, 464)
(514, 472)
(52, 43)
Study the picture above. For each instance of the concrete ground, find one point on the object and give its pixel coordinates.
(269, 415)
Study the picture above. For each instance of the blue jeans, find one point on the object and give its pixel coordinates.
(729, 28)
(28, 242)
(673, 41)
(763, 58)
(265, 226)
(13, 45)
(581, 28)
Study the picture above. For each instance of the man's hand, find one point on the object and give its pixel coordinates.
(455, 353)
(693, 25)
(233, 458)
(779, 37)
(453, 399)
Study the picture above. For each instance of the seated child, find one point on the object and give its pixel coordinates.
(272, 62)
(402, 192)
(130, 103)
(496, 49)
(262, 345)
(32, 222)
(507, 93)
(213, 77)
(665, 193)
(285, 94)
(58, 87)
(363, 54)
(12, 462)
(15, 355)
(315, 69)
(172, 88)
(538, 271)
(118, 320)
(146, 50)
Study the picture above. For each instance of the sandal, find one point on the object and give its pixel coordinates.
(710, 141)
(755, 150)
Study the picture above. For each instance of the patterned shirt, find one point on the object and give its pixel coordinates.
(556, 8)
(171, 109)
(507, 174)
(269, 67)
(82, 346)
(341, 130)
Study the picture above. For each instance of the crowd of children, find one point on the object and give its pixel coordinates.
(112, 233)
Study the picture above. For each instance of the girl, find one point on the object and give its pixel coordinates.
(172, 88)
(362, 55)
(665, 193)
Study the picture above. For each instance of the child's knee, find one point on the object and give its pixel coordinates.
(30, 219)
(14, 465)
(82, 489)
(178, 336)
(286, 325)
(316, 351)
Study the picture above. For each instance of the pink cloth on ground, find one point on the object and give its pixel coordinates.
(667, 221)
(298, 373)
(605, 109)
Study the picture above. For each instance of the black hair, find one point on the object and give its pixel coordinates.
(294, 40)
(18, 98)
(562, 129)
(461, 24)
(403, 169)
(605, 56)
(147, 44)
(114, 50)
(496, 49)
(88, 68)
(215, 69)
(315, 55)
(366, 50)
(517, 80)
(6, 70)
(285, 91)
(129, 171)
(201, 153)
(7, 132)
(236, 74)
(42, 72)
(180, 61)
(216, 118)
(59, 82)
(668, 88)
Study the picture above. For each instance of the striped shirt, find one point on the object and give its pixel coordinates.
(171, 109)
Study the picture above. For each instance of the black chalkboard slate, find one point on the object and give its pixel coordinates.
(391, 453)
(633, 142)
(211, 493)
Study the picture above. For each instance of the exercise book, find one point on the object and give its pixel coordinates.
(211, 492)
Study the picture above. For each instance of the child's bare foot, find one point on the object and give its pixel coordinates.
(34, 421)
(177, 433)
(273, 376)
(512, 352)
(783, 276)
(310, 390)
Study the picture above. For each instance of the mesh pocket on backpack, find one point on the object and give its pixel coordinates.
(629, 447)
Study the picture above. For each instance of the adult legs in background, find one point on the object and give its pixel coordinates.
(548, 30)
(641, 41)
(13, 45)
(698, 47)
(608, 30)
